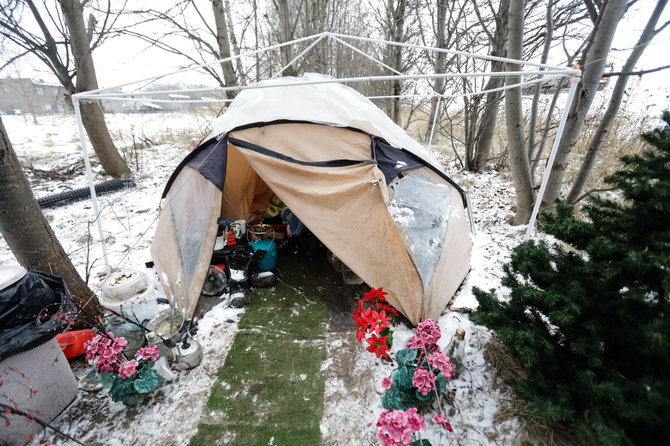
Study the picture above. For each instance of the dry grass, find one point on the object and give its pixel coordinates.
(535, 429)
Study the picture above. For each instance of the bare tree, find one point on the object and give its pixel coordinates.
(615, 101)
(65, 41)
(593, 62)
(514, 118)
(223, 41)
(484, 137)
(25, 228)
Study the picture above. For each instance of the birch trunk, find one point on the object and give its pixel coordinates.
(615, 103)
(223, 41)
(594, 62)
(514, 119)
(91, 112)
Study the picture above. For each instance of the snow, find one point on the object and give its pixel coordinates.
(171, 416)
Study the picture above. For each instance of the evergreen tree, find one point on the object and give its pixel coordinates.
(589, 315)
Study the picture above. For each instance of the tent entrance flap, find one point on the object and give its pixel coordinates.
(423, 214)
(185, 237)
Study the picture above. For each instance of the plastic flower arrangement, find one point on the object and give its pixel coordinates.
(422, 372)
(129, 381)
(372, 319)
(396, 427)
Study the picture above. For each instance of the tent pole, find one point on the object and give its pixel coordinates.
(305, 51)
(91, 185)
(432, 128)
(552, 157)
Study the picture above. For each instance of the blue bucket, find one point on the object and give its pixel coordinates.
(269, 260)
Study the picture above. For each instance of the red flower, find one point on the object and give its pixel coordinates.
(378, 320)
(366, 316)
(378, 346)
(357, 311)
(388, 309)
(375, 295)
(360, 333)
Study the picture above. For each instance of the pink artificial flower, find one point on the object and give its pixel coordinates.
(395, 427)
(441, 362)
(386, 383)
(128, 369)
(415, 342)
(150, 352)
(442, 421)
(428, 331)
(416, 422)
(423, 380)
(118, 345)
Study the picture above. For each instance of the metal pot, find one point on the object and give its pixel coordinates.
(160, 325)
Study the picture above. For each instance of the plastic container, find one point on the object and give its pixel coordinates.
(269, 260)
(72, 342)
(133, 334)
(140, 306)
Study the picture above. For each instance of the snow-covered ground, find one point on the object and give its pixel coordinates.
(171, 415)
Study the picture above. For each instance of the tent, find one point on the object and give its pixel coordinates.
(373, 195)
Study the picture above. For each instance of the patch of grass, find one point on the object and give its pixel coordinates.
(270, 388)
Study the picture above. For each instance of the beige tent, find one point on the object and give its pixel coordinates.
(367, 190)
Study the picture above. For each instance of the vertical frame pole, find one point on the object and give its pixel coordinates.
(552, 157)
(91, 185)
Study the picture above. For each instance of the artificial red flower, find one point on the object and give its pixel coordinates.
(388, 309)
(360, 333)
(379, 320)
(375, 295)
(357, 311)
(367, 316)
(378, 346)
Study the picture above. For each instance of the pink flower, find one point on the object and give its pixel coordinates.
(386, 383)
(441, 362)
(396, 427)
(423, 380)
(442, 421)
(150, 352)
(428, 331)
(128, 369)
(416, 422)
(415, 342)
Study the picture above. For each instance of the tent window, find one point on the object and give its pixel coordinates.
(422, 210)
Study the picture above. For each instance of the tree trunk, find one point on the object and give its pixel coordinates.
(26, 230)
(484, 139)
(286, 35)
(440, 64)
(92, 116)
(593, 64)
(398, 25)
(514, 119)
(223, 41)
(532, 126)
(615, 103)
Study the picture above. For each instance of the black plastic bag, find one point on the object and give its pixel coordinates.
(33, 310)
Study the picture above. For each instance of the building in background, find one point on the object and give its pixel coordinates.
(27, 96)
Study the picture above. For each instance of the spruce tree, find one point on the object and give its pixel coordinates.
(589, 314)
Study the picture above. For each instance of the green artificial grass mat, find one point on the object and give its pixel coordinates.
(270, 387)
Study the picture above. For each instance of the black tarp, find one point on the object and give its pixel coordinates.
(33, 310)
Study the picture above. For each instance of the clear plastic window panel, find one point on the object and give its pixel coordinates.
(422, 209)
(190, 203)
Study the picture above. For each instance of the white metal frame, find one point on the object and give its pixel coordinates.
(541, 72)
